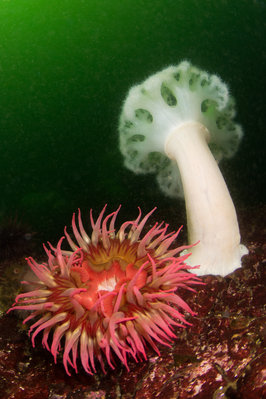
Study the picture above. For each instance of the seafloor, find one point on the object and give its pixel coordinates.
(221, 356)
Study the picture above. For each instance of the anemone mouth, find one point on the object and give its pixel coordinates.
(99, 258)
(109, 297)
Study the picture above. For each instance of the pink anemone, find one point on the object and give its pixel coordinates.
(112, 294)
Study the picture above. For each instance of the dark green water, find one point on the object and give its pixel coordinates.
(65, 68)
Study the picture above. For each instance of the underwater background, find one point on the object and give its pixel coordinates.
(65, 69)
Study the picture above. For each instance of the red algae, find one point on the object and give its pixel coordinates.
(220, 355)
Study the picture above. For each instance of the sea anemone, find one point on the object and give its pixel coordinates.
(179, 123)
(114, 293)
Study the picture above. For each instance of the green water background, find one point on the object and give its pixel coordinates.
(65, 68)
